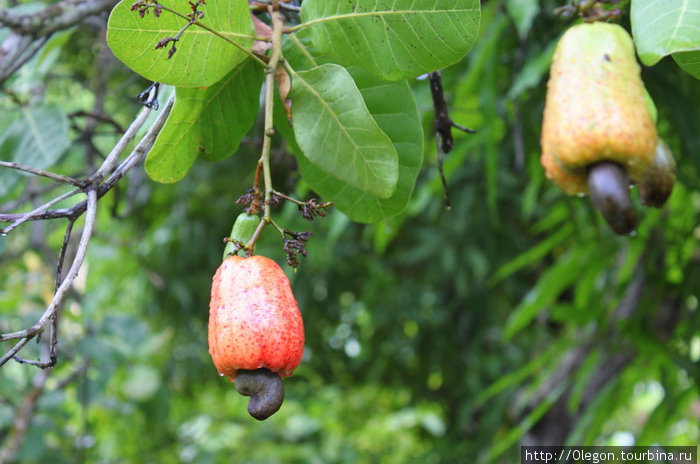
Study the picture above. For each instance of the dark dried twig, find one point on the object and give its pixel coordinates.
(309, 209)
(100, 117)
(443, 127)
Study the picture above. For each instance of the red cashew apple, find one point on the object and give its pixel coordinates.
(256, 333)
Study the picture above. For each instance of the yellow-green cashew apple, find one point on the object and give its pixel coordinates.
(598, 135)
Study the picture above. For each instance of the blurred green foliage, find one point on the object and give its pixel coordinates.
(437, 336)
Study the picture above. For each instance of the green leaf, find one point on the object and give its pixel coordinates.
(337, 133)
(202, 58)
(689, 62)
(531, 74)
(550, 285)
(36, 137)
(582, 378)
(394, 108)
(393, 39)
(662, 28)
(210, 122)
(518, 377)
(516, 433)
(532, 255)
(523, 13)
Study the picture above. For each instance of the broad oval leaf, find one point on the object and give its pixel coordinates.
(201, 59)
(393, 39)
(35, 136)
(336, 131)
(208, 122)
(664, 27)
(393, 106)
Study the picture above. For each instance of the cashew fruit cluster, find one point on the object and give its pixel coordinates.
(256, 333)
(598, 129)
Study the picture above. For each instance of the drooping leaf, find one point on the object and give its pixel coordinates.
(537, 364)
(206, 122)
(532, 255)
(514, 434)
(394, 108)
(337, 133)
(393, 39)
(690, 62)
(201, 59)
(36, 137)
(663, 28)
(550, 285)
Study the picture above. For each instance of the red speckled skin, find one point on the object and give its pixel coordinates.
(254, 320)
(595, 109)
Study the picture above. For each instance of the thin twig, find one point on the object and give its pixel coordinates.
(72, 273)
(121, 145)
(54, 319)
(24, 217)
(38, 172)
(129, 162)
(97, 117)
(264, 161)
(14, 350)
(62, 254)
(55, 17)
(106, 167)
(31, 31)
(194, 21)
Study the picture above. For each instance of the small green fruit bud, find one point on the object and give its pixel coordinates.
(242, 231)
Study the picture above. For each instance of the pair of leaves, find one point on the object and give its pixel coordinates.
(393, 39)
(387, 108)
(668, 28)
(382, 114)
(343, 124)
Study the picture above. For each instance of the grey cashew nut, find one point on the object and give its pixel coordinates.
(265, 389)
(608, 187)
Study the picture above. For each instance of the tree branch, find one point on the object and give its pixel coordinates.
(39, 172)
(94, 190)
(31, 31)
(53, 18)
(43, 213)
